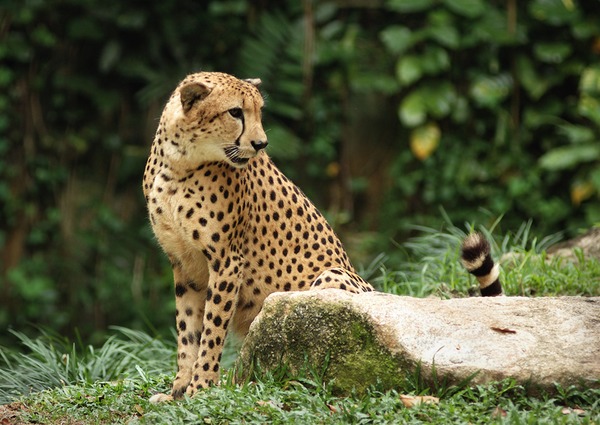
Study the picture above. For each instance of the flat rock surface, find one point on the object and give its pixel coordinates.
(537, 341)
(589, 243)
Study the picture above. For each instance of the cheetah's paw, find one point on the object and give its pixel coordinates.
(160, 398)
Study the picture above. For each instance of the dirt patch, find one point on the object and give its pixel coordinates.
(13, 414)
(10, 414)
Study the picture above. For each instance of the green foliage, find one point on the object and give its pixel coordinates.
(380, 114)
(514, 89)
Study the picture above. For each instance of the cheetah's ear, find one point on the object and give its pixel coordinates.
(254, 81)
(192, 93)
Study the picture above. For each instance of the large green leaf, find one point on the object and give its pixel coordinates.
(411, 68)
(577, 133)
(590, 80)
(434, 60)
(44, 37)
(595, 178)
(589, 101)
(436, 98)
(543, 114)
(397, 38)
(439, 98)
(447, 36)
(408, 6)
(552, 52)
(408, 69)
(589, 107)
(412, 110)
(468, 8)
(586, 28)
(554, 12)
(109, 56)
(460, 111)
(533, 83)
(570, 156)
(492, 28)
(491, 90)
(442, 28)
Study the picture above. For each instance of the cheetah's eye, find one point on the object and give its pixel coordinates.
(236, 113)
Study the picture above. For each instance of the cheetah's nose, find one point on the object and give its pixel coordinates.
(258, 145)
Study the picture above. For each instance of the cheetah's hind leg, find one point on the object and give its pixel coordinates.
(341, 278)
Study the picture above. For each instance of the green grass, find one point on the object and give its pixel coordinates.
(299, 401)
(52, 380)
(53, 361)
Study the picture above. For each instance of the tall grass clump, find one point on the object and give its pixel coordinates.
(50, 361)
(429, 264)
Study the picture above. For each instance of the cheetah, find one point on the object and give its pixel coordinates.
(234, 228)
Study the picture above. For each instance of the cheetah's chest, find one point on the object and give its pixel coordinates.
(192, 216)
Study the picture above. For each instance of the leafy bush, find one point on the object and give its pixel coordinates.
(501, 101)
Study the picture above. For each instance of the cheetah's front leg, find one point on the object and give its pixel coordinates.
(190, 296)
(221, 301)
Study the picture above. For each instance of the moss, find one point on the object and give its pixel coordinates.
(294, 333)
(370, 363)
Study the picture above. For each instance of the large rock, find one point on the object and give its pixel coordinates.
(588, 243)
(376, 337)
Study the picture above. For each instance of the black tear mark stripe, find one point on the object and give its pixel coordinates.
(238, 141)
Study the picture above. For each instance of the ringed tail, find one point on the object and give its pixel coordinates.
(477, 259)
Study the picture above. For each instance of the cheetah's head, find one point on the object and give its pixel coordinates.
(213, 117)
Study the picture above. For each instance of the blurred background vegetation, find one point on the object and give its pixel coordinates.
(382, 111)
